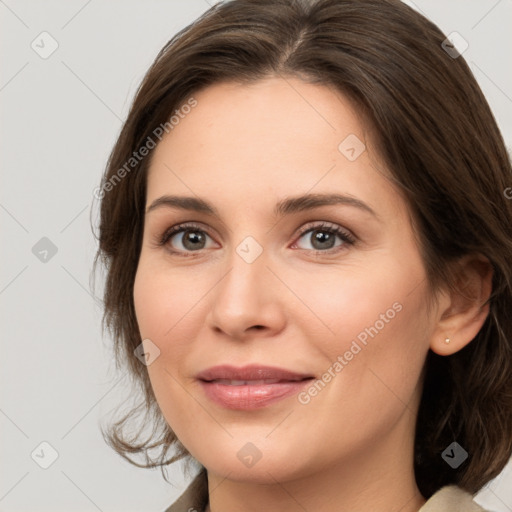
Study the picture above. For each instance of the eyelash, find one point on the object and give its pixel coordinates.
(345, 236)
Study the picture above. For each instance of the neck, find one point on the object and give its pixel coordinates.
(379, 478)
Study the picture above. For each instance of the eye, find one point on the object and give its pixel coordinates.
(322, 237)
(190, 236)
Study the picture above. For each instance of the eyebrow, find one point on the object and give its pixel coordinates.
(284, 207)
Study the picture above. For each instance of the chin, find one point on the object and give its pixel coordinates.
(261, 461)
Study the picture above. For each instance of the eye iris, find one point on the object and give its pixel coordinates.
(192, 237)
(324, 237)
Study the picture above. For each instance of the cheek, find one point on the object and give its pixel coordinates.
(163, 300)
(170, 307)
(347, 302)
(157, 311)
(163, 312)
(372, 358)
(371, 326)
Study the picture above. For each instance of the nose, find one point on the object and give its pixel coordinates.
(248, 299)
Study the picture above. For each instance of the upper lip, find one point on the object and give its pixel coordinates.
(250, 372)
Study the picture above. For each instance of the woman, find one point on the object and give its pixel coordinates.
(308, 247)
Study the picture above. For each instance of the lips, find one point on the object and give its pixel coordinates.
(250, 387)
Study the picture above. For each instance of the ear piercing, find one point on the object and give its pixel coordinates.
(447, 340)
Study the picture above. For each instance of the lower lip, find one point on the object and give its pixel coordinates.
(249, 397)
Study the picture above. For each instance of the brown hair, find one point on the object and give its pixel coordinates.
(435, 132)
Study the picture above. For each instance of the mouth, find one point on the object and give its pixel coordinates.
(250, 387)
(260, 382)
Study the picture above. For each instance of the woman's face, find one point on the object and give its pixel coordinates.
(264, 279)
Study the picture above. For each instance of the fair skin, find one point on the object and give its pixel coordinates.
(298, 305)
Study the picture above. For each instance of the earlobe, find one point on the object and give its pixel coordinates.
(462, 316)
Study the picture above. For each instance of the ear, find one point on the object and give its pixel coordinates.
(461, 313)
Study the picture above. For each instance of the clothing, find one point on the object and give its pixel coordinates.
(195, 496)
(447, 499)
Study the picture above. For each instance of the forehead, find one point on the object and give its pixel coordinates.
(268, 139)
(282, 110)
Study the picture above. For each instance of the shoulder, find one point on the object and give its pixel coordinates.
(195, 496)
(451, 499)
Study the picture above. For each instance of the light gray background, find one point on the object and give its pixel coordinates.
(60, 117)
